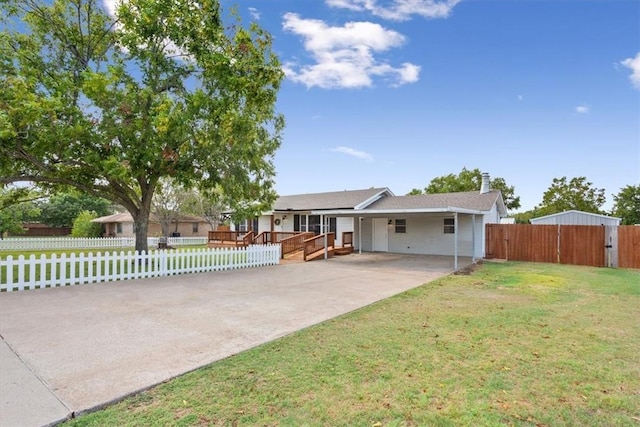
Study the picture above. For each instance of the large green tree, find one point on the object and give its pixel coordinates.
(574, 194)
(626, 205)
(470, 180)
(61, 210)
(17, 207)
(111, 105)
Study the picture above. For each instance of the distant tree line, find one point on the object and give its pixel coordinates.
(76, 210)
(563, 194)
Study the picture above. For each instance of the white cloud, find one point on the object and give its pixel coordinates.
(344, 56)
(353, 152)
(110, 6)
(398, 10)
(583, 109)
(520, 98)
(255, 14)
(634, 65)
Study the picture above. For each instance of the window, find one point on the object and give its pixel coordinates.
(194, 227)
(401, 225)
(311, 223)
(119, 228)
(449, 225)
(247, 225)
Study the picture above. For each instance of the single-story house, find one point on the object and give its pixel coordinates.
(432, 224)
(121, 225)
(575, 217)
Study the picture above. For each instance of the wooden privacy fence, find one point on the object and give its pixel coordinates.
(22, 273)
(592, 245)
(629, 246)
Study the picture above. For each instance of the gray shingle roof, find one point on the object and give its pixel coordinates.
(463, 200)
(347, 199)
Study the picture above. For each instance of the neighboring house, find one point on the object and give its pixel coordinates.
(36, 229)
(121, 225)
(433, 224)
(574, 217)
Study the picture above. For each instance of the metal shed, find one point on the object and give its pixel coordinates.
(574, 217)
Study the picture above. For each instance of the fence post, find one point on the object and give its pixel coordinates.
(9, 264)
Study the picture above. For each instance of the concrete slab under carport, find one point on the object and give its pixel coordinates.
(90, 345)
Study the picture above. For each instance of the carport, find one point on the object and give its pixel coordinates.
(416, 231)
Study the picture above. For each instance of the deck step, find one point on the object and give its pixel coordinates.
(343, 250)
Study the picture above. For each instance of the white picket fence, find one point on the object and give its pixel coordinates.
(22, 273)
(39, 243)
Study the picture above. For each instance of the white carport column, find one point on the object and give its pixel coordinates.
(455, 241)
(473, 240)
(323, 230)
(360, 235)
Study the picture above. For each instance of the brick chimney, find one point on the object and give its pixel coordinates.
(486, 187)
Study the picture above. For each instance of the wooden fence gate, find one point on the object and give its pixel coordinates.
(597, 246)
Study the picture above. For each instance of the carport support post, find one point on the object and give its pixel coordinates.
(473, 240)
(455, 241)
(360, 235)
(323, 230)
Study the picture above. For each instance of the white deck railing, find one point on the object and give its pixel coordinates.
(39, 243)
(22, 273)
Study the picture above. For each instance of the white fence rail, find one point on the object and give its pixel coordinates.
(22, 273)
(33, 243)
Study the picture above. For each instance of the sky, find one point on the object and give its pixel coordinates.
(393, 93)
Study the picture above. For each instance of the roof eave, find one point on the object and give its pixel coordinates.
(371, 212)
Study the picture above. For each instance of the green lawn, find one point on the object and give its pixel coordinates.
(513, 344)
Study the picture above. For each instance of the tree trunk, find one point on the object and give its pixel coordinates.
(141, 225)
(164, 224)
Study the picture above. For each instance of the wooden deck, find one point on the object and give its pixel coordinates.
(295, 246)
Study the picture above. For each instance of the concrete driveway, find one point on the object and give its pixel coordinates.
(65, 351)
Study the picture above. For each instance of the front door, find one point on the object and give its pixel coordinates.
(380, 235)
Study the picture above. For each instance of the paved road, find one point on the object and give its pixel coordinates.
(70, 350)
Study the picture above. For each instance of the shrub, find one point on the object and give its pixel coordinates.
(83, 227)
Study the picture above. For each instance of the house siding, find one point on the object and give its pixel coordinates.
(264, 223)
(286, 224)
(343, 224)
(425, 235)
